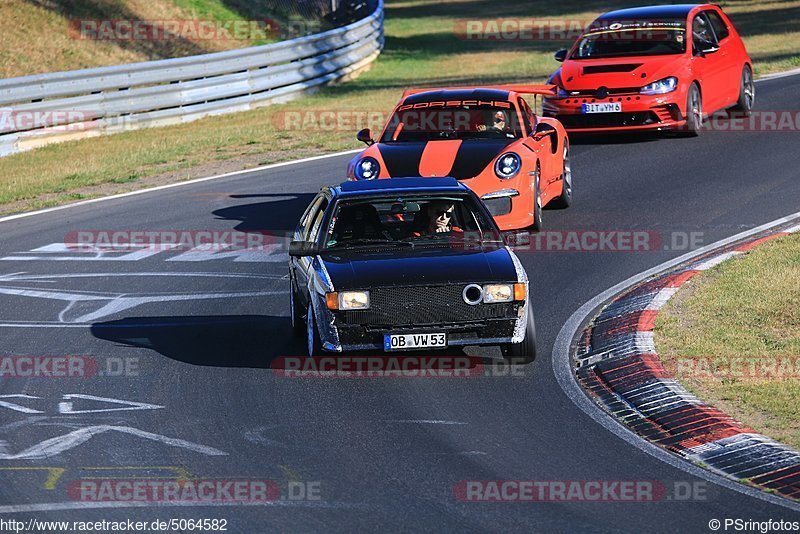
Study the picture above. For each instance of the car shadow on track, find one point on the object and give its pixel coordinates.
(253, 341)
(280, 214)
(217, 341)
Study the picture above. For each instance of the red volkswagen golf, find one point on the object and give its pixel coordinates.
(652, 68)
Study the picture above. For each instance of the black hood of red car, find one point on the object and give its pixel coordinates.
(403, 159)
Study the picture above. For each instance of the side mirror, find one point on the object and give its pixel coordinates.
(517, 238)
(542, 131)
(561, 55)
(365, 136)
(299, 249)
(702, 48)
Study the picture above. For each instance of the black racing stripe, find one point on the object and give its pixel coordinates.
(475, 154)
(402, 159)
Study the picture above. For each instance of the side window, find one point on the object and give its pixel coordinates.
(307, 216)
(720, 29)
(313, 230)
(702, 34)
(526, 114)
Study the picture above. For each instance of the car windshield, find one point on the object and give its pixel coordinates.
(454, 119)
(632, 38)
(415, 220)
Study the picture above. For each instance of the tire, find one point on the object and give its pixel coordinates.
(524, 352)
(564, 200)
(313, 341)
(694, 112)
(298, 327)
(747, 93)
(537, 201)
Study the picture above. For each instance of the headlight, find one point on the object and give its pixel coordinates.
(367, 169)
(667, 85)
(498, 293)
(351, 300)
(507, 165)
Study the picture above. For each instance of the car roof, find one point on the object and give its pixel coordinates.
(399, 185)
(650, 12)
(458, 94)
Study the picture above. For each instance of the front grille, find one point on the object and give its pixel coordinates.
(605, 120)
(423, 305)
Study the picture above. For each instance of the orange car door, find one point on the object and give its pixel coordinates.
(544, 151)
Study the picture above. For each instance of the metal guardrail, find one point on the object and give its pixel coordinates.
(46, 108)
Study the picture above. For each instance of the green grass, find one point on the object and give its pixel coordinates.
(744, 312)
(422, 49)
(36, 36)
(208, 9)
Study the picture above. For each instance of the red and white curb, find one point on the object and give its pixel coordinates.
(618, 365)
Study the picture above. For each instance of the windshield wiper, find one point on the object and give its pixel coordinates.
(365, 242)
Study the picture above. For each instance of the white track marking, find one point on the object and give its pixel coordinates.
(179, 184)
(67, 407)
(661, 298)
(55, 446)
(563, 369)
(425, 422)
(778, 75)
(716, 260)
(17, 407)
(119, 303)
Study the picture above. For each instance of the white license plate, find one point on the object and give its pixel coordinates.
(414, 341)
(602, 107)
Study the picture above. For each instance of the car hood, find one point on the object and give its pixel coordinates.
(461, 159)
(419, 266)
(618, 73)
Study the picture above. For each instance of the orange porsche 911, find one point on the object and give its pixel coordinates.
(487, 137)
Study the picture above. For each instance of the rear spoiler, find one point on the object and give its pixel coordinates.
(530, 89)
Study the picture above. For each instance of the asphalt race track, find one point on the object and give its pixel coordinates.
(198, 334)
